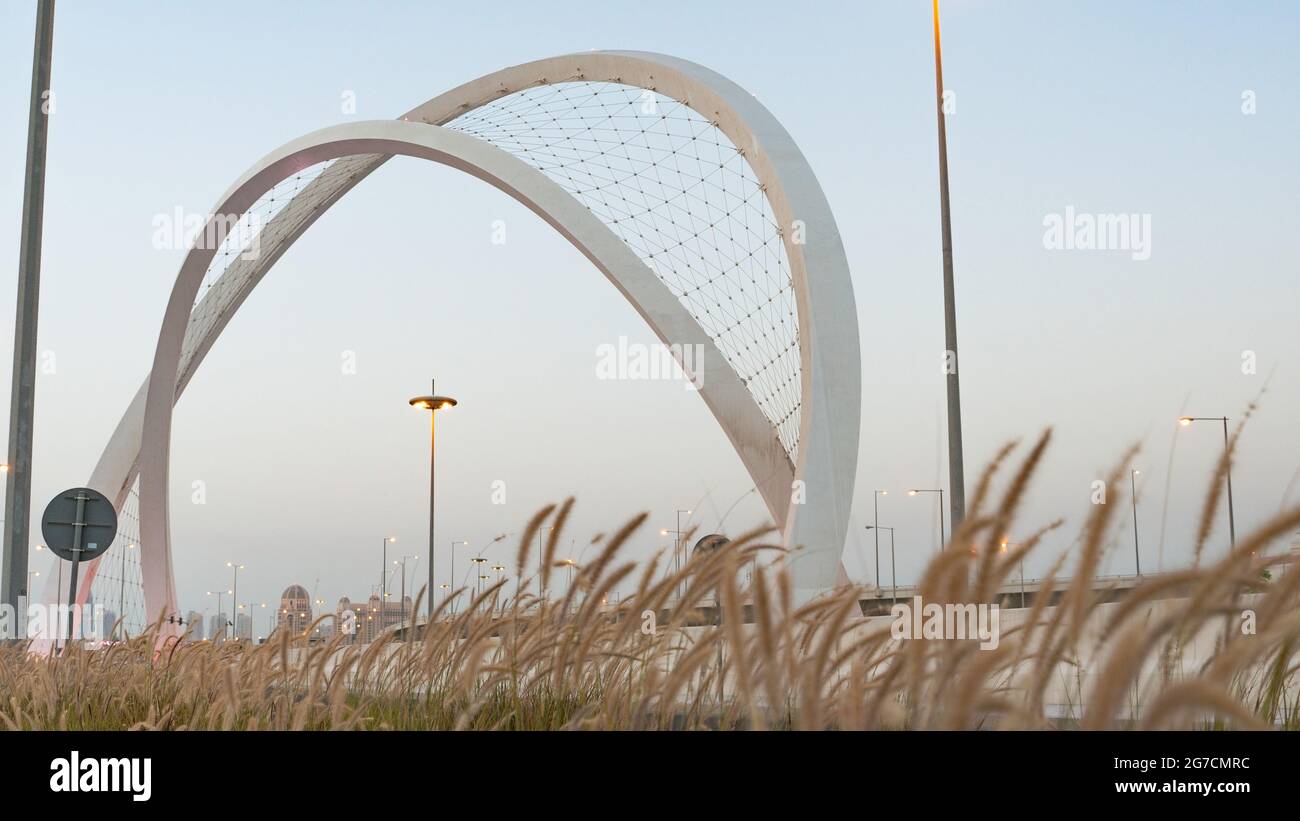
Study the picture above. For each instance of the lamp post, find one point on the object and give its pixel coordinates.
(18, 481)
(875, 522)
(893, 569)
(59, 583)
(1003, 549)
(478, 571)
(678, 546)
(235, 567)
(943, 536)
(432, 403)
(1132, 480)
(121, 592)
(956, 471)
(402, 561)
(1186, 421)
(31, 574)
(383, 572)
(498, 569)
(252, 622)
(453, 566)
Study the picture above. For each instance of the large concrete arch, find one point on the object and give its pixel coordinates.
(816, 517)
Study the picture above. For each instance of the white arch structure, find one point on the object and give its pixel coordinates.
(807, 484)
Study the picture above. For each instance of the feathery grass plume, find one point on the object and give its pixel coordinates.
(526, 538)
(734, 651)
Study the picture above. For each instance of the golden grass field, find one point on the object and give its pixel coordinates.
(575, 662)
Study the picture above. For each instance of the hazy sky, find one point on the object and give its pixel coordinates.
(1102, 107)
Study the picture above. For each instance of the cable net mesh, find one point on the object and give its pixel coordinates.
(662, 176)
(684, 198)
(119, 586)
(247, 246)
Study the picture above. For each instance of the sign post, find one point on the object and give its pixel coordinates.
(79, 524)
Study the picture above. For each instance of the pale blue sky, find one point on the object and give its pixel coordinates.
(1103, 106)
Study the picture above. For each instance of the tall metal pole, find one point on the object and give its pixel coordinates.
(956, 472)
(893, 567)
(234, 603)
(433, 438)
(22, 401)
(875, 521)
(680, 554)
(1232, 523)
(121, 597)
(1022, 583)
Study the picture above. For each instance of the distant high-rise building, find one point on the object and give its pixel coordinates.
(362, 622)
(194, 623)
(219, 627)
(244, 626)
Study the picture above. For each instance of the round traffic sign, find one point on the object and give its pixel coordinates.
(79, 524)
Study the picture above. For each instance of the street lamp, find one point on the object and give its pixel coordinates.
(943, 536)
(1186, 421)
(252, 622)
(1132, 480)
(569, 563)
(678, 545)
(31, 574)
(893, 569)
(432, 403)
(252, 625)
(498, 569)
(956, 471)
(383, 571)
(1003, 549)
(59, 583)
(453, 565)
(121, 591)
(875, 521)
(402, 562)
(234, 592)
(478, 560)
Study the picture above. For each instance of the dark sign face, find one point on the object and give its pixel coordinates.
(79, 524)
